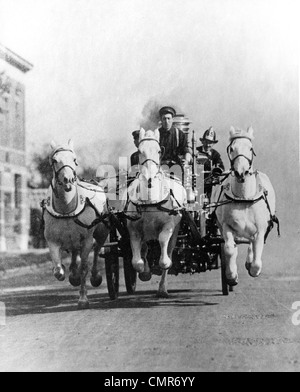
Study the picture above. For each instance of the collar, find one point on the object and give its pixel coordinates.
(260, 190)
(164, 131)
(201, 149)
(85, 191)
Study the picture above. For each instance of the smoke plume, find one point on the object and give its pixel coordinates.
(150, 113)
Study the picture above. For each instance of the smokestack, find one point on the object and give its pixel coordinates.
(151, 118)
(181, 122)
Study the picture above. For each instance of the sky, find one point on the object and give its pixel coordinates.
(99, 64)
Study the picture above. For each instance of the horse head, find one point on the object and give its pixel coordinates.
(63, 162)
(240, 152)
(150, 152)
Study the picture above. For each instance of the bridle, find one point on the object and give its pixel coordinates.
(149, 159)
(232, 160)
(56, 172)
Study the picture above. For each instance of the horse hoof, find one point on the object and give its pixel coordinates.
(162, 294)
(74, 280)
(232, 282)
(165, 266)
(145, 276)
(139, 266)
(83, 305)
(96, 280)
(252, 275)
(60, 273)
(257, 270)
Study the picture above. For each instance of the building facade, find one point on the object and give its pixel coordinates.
(14, 211)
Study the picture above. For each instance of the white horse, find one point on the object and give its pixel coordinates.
(245, 206)
(74, 213)
(153, 210)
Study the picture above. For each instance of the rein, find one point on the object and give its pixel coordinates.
(100, 218)
(160, 206)
(232, 200)
(150, 160)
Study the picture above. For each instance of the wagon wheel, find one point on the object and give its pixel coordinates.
(112, 273)
(112, 268)
(225, 287)
(192, 225)
(129, 273)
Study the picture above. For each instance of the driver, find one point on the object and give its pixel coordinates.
(173, 141)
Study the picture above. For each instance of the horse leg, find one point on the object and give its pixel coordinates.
(58, 268)
(256, 265)
(230, 251)
(162, 290)
(146, 275)
(136, 247)
(83, 302)
(249, 259)
(96, 277)
(74, 277)
(165, 261)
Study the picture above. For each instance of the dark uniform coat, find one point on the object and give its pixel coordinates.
(213, 160)
(175, 144)
(134, 159)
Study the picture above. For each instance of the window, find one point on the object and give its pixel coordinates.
(18, 190)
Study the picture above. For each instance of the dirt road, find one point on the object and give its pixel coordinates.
(196, 329)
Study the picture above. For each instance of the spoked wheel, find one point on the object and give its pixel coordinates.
(225, 287)
(112, 269)
(130, 274)
(112, 274)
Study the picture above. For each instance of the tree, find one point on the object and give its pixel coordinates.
(5, 84)
(40, 170)
(41, 173)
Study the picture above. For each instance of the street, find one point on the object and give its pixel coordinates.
(196, 329)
